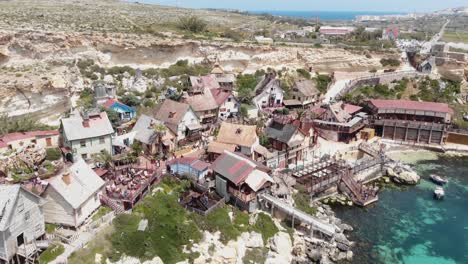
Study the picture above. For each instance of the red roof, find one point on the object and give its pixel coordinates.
(23, 135)
(351, 109)
(220, 95)
(412, 105)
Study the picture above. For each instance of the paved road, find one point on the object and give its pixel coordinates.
(426, 46)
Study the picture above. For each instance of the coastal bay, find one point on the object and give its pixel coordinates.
(407, 225)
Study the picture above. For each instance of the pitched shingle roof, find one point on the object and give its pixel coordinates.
(99, 125)
(281, 132)
(144, 129)
(202, 102)
(241, 135)
(171, 112)
(220, 95)
(84, 183)
(238, 169)
(233, 167)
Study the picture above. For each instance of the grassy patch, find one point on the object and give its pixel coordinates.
(101, 244)
(169, 229)
(218, 220)
(102, 211)
(50, 228)
(265, 226)
(51, 253)
(455, 37)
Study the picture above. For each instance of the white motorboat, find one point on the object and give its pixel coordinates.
(439, 193)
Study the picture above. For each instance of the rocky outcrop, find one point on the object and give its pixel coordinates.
(402, 174)
(281, 249)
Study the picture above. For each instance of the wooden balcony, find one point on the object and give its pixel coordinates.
(244, 197)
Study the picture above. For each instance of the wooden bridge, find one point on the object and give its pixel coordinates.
(315, 225)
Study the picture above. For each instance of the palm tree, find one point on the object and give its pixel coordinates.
(105, 158)
(160, 130)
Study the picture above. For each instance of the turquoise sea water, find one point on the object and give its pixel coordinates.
(408, 226)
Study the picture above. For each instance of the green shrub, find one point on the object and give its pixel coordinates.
(390, 62)
(304, 73)
(53, 154)
(265, 226)
(192, 24)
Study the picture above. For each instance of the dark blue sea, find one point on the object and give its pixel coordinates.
(325, 15)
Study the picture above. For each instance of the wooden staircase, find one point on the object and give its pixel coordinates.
(357, 192)
(366, 148)
(118, 209)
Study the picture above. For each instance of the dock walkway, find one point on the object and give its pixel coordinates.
(316, 224)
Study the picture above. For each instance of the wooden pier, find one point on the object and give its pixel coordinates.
(324, 175)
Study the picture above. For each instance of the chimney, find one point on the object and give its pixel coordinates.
(85, 116)
(66, 178)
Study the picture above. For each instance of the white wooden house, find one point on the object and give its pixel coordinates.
(86, 134)
(73, 196)
(21, 220)
(268, 93)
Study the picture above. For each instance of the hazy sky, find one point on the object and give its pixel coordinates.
(332, 5)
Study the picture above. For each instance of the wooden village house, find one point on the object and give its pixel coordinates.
(239, 180)
(21, 222)
(180, 119)
(154, 141)
(304, 94)
(340, 122)
(190, 166)
(411, 121)
(290, 142)
(18, 140)
(228, 104)
(73, 196)
(86, 134)
(268, 92)
(204, 105)
(126, 113)
(241, 138)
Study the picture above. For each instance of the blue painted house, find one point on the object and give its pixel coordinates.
(126, 112)
(190, 166)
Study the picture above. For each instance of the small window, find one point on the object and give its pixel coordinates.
(229, 99)
(10, 147)
(84, 156)
(34, 141)
(27, 216)
(83, 143)
(49, 142)
(102, 140)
